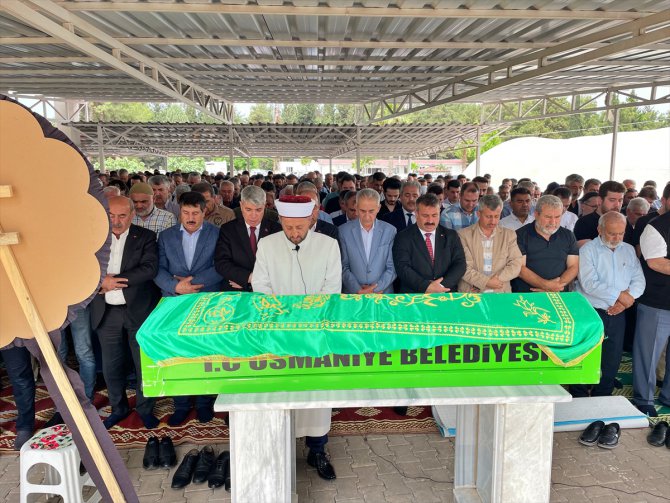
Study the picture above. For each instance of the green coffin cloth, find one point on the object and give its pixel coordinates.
(233, 326)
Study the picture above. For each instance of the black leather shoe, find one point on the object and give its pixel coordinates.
(400, 410)
(609, 437)
(184, 474)
(167, 457)
(649, 410)
(150, 459)
(204, 465)
(591, 433)
(220, 470)
(658, 435)
(319, 460)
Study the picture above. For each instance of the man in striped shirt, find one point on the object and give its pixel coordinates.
(147, 215)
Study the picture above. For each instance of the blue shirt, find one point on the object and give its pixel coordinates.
(605, 273)
(366, 236)
(188, 244)
(455, 218)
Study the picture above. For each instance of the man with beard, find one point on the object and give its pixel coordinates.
(550, 257)
(391, 187)
(611, 278)
(298, 261)
(146, 214)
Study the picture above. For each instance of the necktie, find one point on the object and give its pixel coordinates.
(410, 220)
(252, 239)
(429, 245)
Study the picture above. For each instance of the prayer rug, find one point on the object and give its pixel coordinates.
(131, 432)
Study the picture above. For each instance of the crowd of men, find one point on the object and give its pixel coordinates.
(179, 234)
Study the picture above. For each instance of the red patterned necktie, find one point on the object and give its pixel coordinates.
(252, 239)
(429, 245)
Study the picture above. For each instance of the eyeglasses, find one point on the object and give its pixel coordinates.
(590, 205)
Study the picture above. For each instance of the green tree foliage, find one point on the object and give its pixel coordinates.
(186, 164)
(261, 113)
(120, 112)
(132, 164)
(564, 126)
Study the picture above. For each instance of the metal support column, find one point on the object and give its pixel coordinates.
(101, 150)
(231, 155)
(330, 165)
(615, 130)
(358, 150)
(409, 163)
(478, 167)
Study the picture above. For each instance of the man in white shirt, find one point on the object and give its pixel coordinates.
(127, 296)
(568, 219)
(298, 261)
(520, 202)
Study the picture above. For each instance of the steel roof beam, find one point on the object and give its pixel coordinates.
(319, 62)
(155, 75)
(509, 111)
(650, 29)
(395, 12)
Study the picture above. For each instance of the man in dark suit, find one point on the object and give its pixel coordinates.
(348, 204)
(406, 216)
(126, 297)
(186, 265)
(318, 224)
(235, 253)
(428, 258)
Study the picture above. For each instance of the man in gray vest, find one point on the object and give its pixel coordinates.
(652, 329)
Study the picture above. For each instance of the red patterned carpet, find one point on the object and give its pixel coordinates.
(131, 433)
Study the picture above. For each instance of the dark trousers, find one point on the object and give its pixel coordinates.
(316, 444)
(20, 372)
(201, 402)
(651, 336)
(612, 350)
(114, 333)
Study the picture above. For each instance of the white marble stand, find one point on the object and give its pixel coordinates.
(503, 438)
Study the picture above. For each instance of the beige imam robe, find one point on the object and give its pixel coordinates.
(314, 268)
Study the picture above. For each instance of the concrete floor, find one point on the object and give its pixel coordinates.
(419, 468)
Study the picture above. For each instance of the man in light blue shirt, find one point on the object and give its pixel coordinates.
(366, 246)
(464, 213)
(611, 278)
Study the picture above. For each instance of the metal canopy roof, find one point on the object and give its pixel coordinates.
(272, 140)
(393, 57)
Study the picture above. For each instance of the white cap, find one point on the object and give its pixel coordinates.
(295, 206)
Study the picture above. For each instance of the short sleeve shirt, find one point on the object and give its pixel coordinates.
(587, 226)
(545, 258)
(639, 227)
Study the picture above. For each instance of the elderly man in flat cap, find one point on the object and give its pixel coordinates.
(299, 261)
(147, 215)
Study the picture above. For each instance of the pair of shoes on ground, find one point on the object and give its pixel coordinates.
(605, 436)
(320, 461)
(660, 435)
(198, 467)
(159, 454)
